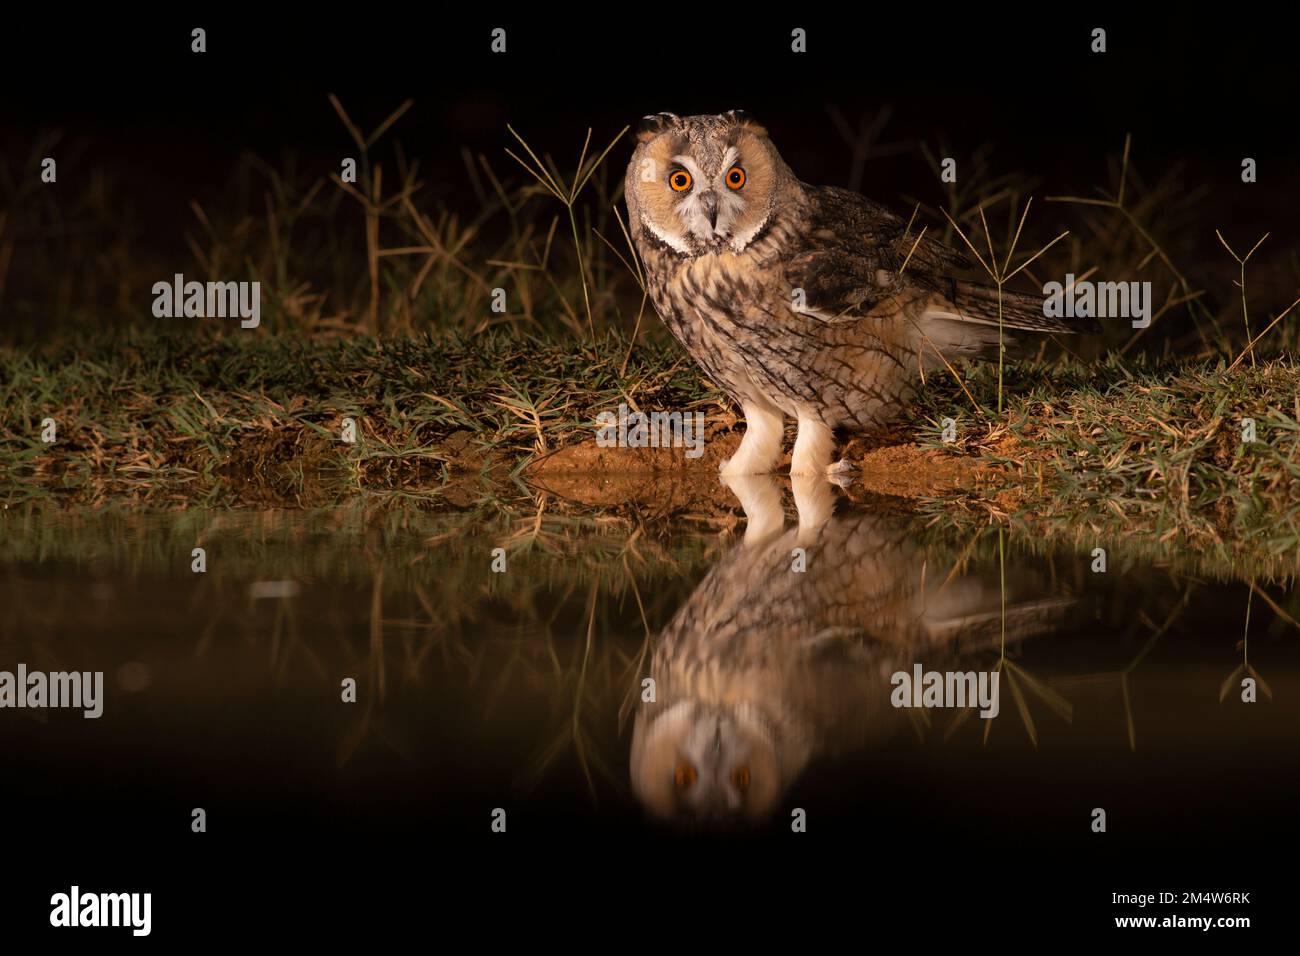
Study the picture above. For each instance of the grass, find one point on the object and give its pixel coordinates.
(1112, 450)
(166, 417)
(397, 252)
(1099, 450)
(390, 253)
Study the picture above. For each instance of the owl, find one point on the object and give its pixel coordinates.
(764, 669)
(794, 298)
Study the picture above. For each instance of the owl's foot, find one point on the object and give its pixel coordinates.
(760, 449)
(841, 473)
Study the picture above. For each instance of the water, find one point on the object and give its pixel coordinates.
(522, 690)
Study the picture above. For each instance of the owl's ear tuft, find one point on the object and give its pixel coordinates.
(651, 126)
(741, 118)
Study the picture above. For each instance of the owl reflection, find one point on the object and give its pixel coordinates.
(764, 669)
(794, 298)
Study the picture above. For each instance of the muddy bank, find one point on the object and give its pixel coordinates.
(298, 466)
(608, 477)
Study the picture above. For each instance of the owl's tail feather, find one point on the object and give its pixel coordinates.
(971, 320)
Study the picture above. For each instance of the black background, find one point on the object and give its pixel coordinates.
(1201, 88)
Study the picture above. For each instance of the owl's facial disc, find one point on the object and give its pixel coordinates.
(705, 185)
(713, 201)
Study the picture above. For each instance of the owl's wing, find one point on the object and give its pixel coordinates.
(849, 271)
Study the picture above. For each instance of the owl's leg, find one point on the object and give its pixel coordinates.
(760, 449)
(813, 449)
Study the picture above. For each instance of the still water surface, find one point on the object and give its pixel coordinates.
(771, 638)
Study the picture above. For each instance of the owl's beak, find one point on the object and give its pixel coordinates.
(709, 202)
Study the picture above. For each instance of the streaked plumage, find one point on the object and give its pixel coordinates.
(790, 296)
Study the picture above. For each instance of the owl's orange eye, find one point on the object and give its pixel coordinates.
(685, 775)
(680, 181)
(735, 177)
(740, 778)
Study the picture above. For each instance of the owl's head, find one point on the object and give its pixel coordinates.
(704, 184)
(713, 764)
